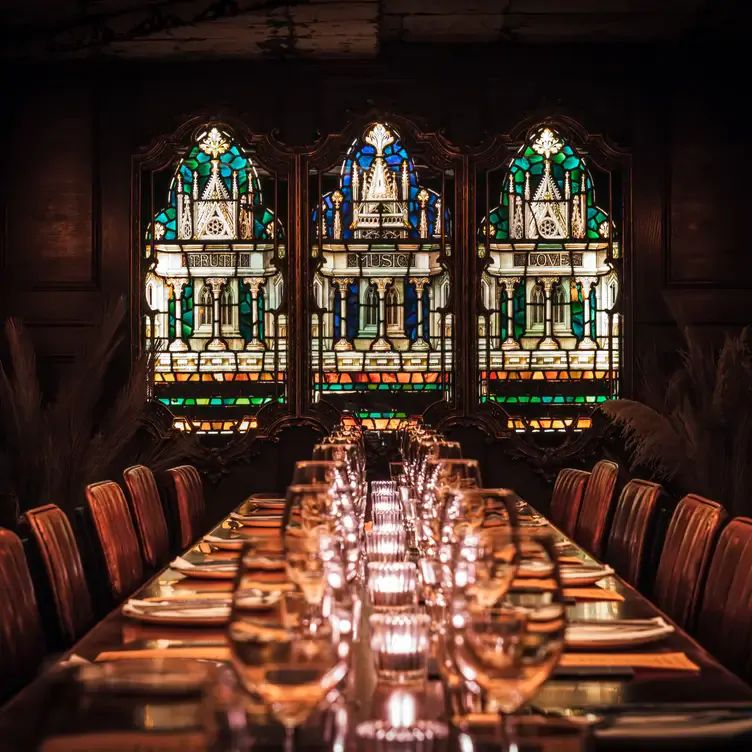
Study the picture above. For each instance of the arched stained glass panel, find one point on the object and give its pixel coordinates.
(550, 241)
(381, 227)
(208, 255)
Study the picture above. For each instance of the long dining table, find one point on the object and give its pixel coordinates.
(49, 715)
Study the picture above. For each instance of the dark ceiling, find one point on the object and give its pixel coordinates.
(336, 28)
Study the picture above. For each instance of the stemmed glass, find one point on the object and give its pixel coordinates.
(507, 646)
(443, 476)
(290, 670)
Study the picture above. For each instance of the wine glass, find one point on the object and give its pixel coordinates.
(307, 569)
(290, 670)
(508, 647)
(442, 477)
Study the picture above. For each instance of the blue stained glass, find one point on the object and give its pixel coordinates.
(394, 154)
(593, 311)
(411, 313)
(246, 317)
(353, 311)
(337, 309)
(426, 314)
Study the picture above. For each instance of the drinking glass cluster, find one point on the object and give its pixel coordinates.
(297, 659)
(491, 588)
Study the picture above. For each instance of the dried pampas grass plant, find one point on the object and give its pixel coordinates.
(55, 446)
(695, 427)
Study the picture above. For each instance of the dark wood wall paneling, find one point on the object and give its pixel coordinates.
(71, 130)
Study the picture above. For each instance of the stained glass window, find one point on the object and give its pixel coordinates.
(381, 327)
(549, 330)
(213, 265)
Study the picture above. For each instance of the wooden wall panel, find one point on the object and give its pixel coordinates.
(72, 130)
(50, 203)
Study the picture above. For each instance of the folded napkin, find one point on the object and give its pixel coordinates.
(170, 608)
(591, 633)
(216, 540)
(658, 661)
(258, 520)
(183, 565)
(126, 741)
(199, 652)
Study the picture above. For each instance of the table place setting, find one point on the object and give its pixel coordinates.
(266, 520)
(425, 613)
(209, 571)
(616, 633)
(203, 609)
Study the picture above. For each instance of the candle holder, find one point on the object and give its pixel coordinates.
(400, 647)
(386, 543)
(392, 586)
(392, 517)
(382, 736)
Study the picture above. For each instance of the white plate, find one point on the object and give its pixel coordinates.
(579, 574)
(606, 635)
(178, 613)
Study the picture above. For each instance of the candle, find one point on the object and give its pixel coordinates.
(392, 585)
(400, 647)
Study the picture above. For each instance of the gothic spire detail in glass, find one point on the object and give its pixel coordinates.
(381, 283)
(213, 283)
(549, 332)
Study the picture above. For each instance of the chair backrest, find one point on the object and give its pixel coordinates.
(628, 540)
(56, 542)
(597, 502)
(567, 498)
(189, 497)
(687, 551)
(148, 515)
(21, 641)
(117, 537)
(724, 623)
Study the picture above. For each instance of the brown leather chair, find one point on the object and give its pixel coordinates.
(567, 498)
(58, 549)
(148, 515)
(21, 641)
(724, 625)
(628, 541)
(117, 537)
(189, 497)
(597, 502)
(687, 551)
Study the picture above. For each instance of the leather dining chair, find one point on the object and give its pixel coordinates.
(117, 537)
(629, 540)
(56, 543)
(597, 503)
(21, 640)
(567, 498)
(148, 515)
(724, 624)
(684, 563)
(189, 499)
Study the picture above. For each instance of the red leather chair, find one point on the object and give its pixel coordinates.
(628, 540)
(724, 625)
(148, 515)
(567, 498)
(21, 641)
(597, 502)
(53, 534)
(117, 537)
(189, 497)
(687, 551)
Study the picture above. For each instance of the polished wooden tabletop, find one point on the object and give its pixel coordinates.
(45, 712)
